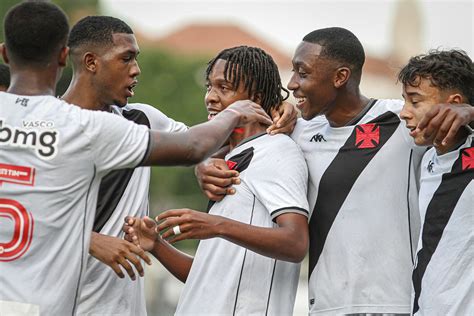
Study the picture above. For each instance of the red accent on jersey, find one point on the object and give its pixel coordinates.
(231, 164)
(239, 130)
(468, 158)
(22, 223)
(367, 135)
(17, 174)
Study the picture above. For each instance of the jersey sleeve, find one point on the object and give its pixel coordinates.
(158, 120)
(282, 181)
(116, 143)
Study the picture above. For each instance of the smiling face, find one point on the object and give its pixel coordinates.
(220, 92)
(117, 69)
(312, 81)
(419, 99)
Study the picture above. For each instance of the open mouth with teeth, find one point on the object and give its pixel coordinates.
(211, 115)
(300, 101)
(130, 89)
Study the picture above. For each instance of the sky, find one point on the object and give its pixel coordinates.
(444, 23)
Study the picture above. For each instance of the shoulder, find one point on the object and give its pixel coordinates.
(384, 105)
(154, 118)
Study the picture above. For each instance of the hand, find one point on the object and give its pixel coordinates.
(141, 232)
(249, 112)
(443, 121)
(284, 119)
(192, 224)
(116, 252)
(215, 178)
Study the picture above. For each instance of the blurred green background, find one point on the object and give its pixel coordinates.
(175, 85)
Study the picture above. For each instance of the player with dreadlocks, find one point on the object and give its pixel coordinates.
(253, 267)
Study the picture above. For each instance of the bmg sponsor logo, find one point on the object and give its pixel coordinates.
(44, 142)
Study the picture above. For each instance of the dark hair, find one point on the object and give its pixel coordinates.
(450, 69)
(96, 30)
(4, 75)
(256, 69)
(339, 44)
(34, 31)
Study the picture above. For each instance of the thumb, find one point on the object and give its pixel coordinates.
(150, 223)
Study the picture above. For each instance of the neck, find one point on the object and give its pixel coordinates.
(346, 107)
(244, 132)
(40, 81)
(461, 136)
(82, 92)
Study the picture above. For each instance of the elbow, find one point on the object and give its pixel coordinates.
(299, 249)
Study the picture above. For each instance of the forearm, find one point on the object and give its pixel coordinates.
(194, 145)
(176, 262)
(288, 243)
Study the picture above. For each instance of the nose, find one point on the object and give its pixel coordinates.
(293, 83)
(405, 113)
(135, 71)
(211, 96)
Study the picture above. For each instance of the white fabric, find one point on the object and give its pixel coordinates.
(447, 284)
(60, 202)
(104, 293)
(226, 279)
(366, 262)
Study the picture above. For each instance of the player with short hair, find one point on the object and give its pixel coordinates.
(363, 180)
(53, 156)
(4, 77)
(442, 278)
(253, 267)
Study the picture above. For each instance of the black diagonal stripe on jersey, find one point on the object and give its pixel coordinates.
(113, 185)
(334, 188)
(242, 161)
(437, 216)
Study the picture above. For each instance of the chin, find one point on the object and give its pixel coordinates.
(120, 103)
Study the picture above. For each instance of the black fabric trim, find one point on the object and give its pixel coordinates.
(271, 286)
(408, 206)
(289, 207)
(83, 242)
(147, 152)
(363, 113)
(333, 189)
(242, 161)
(243, 262)
(438, 213)
(114, 184)
(250, 138)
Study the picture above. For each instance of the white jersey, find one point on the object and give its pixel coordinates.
(444, 273)
(227, 279)
(122, 192)
(52, 158)
(363, 197)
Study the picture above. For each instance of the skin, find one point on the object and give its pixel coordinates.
(288, 241)
(103, 76)
(421, 99)
(325, 87)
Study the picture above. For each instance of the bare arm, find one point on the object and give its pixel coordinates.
(289, 241)
(142, 232)
(201, 141)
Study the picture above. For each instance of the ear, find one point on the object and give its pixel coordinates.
(3, 48)
(455, 99)
(257, 98)
(90, 61)
(63, 56)
(342, 76)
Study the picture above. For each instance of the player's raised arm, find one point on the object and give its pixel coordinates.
(202, 140)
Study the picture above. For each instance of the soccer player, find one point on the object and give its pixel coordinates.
(442, 278)
(103, 51)
(253, 267)
(53, 156)
(362, 181)
(4, 77)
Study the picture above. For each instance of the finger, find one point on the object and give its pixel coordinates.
(142, 254)
(149, 222)
(136, 263)
(287, 115)
(129, 220)
(427, 117)
(285, 129)
(170, 213)
(449, 128)
(117, 270)
(275, 116)
(433, 126)
(214, 197)
(167, 224)
(217, 190)
(217, 181)
(128, 268)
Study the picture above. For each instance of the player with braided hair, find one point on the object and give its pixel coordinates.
(253, 268)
